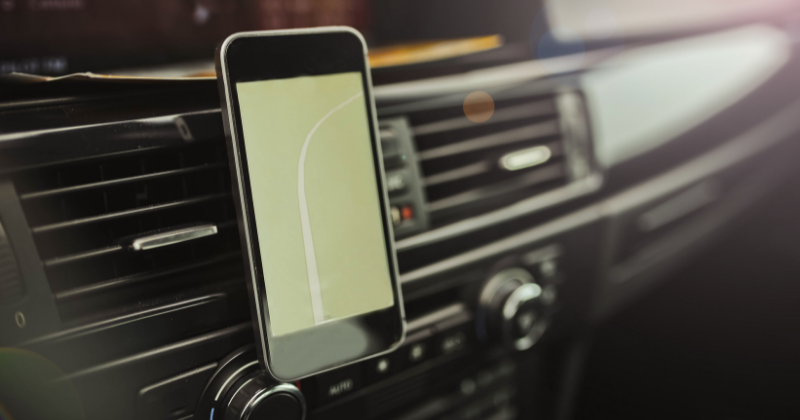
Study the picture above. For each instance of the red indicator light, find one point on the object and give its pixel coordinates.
(408, 212)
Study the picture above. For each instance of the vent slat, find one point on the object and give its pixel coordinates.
(528, 132)
(128, 213)
(512, 113)
(78, 292)
(530, 179)
(11, 287)
(117, 182)
(459, 173)
(82, 256)
(53, 262)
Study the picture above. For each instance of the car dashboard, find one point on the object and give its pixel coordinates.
(587, 186)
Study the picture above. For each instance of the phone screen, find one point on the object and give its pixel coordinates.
(315, 199)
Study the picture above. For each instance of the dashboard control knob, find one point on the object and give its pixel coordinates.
(511, 309)
(240, 390)
(255, 399)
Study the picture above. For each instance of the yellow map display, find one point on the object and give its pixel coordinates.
(315, 199)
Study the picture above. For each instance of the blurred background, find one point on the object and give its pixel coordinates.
(56, 37)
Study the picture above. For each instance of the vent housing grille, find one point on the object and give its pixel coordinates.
(460, 158)
(80, 215)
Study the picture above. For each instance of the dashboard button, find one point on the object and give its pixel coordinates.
(452, 342)
(397, 216)
(382, 367)
(549, 295)
(392, 155)
(407, 212)
(467, 386)
(396, 182)
(418, 348)
(338, 383)
(548, 268)
(417, 352)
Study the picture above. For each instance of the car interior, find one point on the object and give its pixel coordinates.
(593, 209)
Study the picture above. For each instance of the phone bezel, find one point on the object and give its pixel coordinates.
(386, 328)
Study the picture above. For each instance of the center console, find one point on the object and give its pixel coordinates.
(464, 360)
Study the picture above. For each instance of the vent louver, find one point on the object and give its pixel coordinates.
(11, 288)
(82, 214)
(461, 159)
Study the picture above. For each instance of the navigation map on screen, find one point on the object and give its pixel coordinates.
(315, 199)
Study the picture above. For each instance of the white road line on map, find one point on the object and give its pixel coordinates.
(305, 222)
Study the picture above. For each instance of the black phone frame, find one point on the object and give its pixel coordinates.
(267, 55)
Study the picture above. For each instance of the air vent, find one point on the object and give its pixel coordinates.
(84, 218)
(471, 168)
(11, 288)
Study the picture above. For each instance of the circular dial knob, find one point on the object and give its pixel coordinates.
(239, 390)
(255, 399)
(511, 309)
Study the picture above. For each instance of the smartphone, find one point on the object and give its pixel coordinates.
(311, 198)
